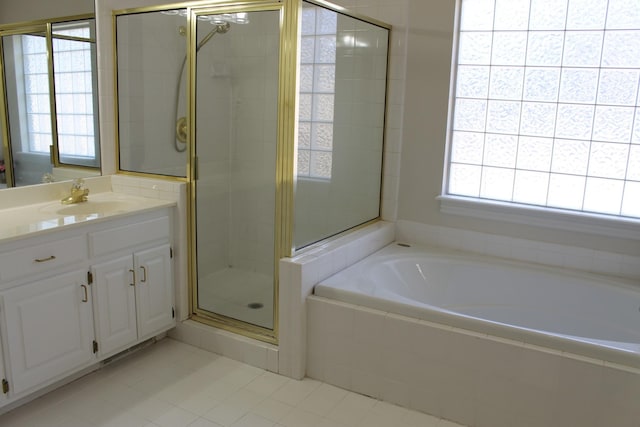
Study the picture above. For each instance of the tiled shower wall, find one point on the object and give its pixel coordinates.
(253, 74)
(150, 48)
(350, 196)
(213, 136)
(549, 254)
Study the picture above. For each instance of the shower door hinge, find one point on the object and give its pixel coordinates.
(95, 346)
(5, 386)
(173, 313)
(170, 252)
(89, 277)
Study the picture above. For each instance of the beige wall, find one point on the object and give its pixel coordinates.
(429, 52)
(30, 10)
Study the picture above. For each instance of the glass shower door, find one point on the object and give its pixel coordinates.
(236, 101)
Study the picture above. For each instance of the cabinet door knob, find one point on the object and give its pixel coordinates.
(133, 283)
(144, 274)
(85, 298)
(51, 258)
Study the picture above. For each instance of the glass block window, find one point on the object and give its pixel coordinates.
(317, 92)
(547, 107)
(36, 88)
(74, 92)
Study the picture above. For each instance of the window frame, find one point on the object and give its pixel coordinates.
(610, 225)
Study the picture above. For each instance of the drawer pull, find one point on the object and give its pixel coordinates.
(51, 258)
(133, 283)
(144, 274)
(86, 295)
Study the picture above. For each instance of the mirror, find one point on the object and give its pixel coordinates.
(49, 113)
(343, 72)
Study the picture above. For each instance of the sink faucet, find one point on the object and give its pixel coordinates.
(79, 193)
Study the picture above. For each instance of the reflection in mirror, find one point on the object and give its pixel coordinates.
(51, 115)
(74, 53)
(151, 67)
(28, 106)
(343, 71)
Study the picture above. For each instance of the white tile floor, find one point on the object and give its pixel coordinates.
(171, 384)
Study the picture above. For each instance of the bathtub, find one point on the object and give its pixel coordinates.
(591, 316)
(481, 341)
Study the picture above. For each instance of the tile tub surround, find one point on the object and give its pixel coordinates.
(467, 377)
(298, 276)
(535, 252)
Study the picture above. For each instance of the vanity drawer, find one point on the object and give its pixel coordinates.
(129, 236)
(42, 257)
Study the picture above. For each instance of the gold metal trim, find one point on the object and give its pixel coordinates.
(286, 141)
(44, 28)
(187, 5)
(40, 30)
(26, 24)
(152, 176)
(116, 107)
(223, 322)
(72, 38)
(8, 156)
(232, 325)
(52, 99)
(116, 101)
(345, 11)
(315, 245)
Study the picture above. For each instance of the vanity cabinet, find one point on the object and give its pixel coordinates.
(74, 297)
(133, 298)
(133, 293)
(49, 328)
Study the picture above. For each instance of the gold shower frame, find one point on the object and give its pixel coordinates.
(287, 113)
(287, 129)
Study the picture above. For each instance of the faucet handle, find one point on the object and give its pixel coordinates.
(78, 184)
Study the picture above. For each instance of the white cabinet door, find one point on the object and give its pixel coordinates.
(154, 291)
(114, 308)
(49, 327)
(3, 378)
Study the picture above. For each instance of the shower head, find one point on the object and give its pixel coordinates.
(223, 27)
(218, 29)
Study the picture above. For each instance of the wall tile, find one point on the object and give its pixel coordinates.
(536, 252)
(470, 378)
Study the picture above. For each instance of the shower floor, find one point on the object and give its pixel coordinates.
(231, 291)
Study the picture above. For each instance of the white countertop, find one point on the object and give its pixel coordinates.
(32, 219)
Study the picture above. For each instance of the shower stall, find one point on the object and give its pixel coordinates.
(247, 100)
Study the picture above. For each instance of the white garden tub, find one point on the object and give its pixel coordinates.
(588, 315)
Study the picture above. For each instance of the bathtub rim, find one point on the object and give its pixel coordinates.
(595, 351)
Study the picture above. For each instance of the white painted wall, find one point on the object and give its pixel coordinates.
(30, 10)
